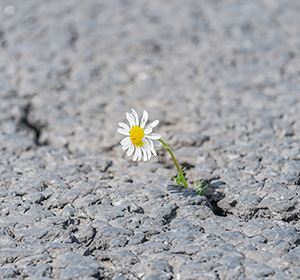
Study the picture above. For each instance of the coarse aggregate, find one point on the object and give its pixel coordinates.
(223, 79)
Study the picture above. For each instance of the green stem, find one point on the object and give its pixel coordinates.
(165, 145)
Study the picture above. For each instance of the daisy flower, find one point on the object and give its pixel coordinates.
(139, 140)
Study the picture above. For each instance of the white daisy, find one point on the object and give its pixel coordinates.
(139, 140)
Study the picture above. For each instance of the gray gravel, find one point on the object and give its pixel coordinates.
(223, 79)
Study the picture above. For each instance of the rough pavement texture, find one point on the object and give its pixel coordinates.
(223, 79)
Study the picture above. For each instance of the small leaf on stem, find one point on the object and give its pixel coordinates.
(201, 187)
(179, 180)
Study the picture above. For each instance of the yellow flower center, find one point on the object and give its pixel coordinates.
(136, 135)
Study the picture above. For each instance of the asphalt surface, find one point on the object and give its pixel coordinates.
(223, 79)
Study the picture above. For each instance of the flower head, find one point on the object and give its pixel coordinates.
(139, 140)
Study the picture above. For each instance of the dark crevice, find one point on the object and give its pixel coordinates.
(171, 216)
(218, 211)
(293, 218)
(73, 36)
(298, 181)
(214, 194)
(2, 39)
(297, 242)
(187, 165)
(36, 129)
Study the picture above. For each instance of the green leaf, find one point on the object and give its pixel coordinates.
(179, 180)
(201, 187)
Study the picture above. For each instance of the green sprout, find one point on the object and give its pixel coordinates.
(180, 179)
(201, 187)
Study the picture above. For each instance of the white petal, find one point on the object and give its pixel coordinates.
(153, 151)
(151, 146)
(135, 156)
(124, 125)
(130, 150)
(130, 119)
(154, 136)
(135, 116)
(144, 119)
(148, 150)
(150, 142)
(126, 145)
(139, 153)
(125, 140)
(153, 124)
(123, 131)
(157, 143)
(145, 156)
(148, 130)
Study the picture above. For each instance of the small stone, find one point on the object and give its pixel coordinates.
(86, 201)
(258, 270)
(154, 192)
(73, 266)
(37, 271)
(150, 248)
(122, 256)
(259, 256)
(258, 239)
(150, 267)
(7, 273)
(164, 213)
(192, 211)
(237, 258)
(199, 266)
(173, 235)
(175, 260)
(296, 271)
(234, 237)
(186, 247)
(231, 271)
(137, 239)
(286, 233)
(159, 276)
(279, 247)
(85, 236)
(293, 257)
(118, 242)
(208, 256)
(105, 212)
(198, 271)
(106, 234)
(120, 276)
(291, 179)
